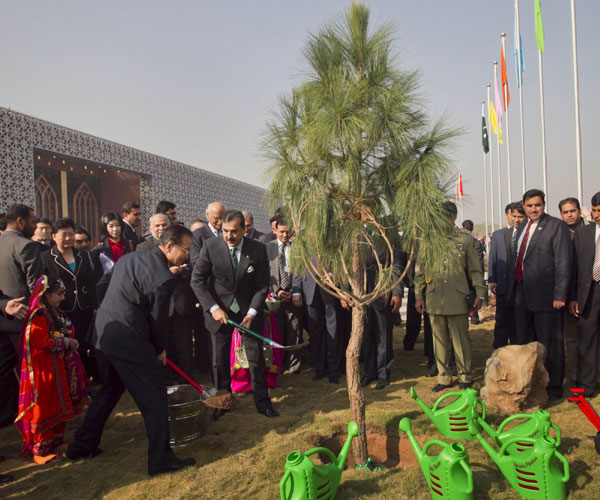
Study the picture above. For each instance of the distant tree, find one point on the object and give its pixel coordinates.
(355, 164)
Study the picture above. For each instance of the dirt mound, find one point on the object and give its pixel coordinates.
(393, 451)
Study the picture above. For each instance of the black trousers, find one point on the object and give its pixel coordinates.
(9, 384)
(545, 327)
(377, 346)
(504, 329)
(181, 346)
(146, 384)
(221, 344)
(82, 321)
(588, 330)
(202, 344)
(413, 328)
(324, 331)
(289, 322)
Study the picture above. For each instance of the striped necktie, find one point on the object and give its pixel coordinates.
(596, 268)
(234, 307)
(521, 255)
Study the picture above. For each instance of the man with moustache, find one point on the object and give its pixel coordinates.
(231, 280)
(132, 218)
(538, 277)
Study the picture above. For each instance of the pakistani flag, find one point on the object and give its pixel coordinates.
(484, 136)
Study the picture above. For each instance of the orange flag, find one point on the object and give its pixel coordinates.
(505, 94)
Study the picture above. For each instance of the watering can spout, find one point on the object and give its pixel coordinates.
(353, 431)
(405, 426)
(424, 407)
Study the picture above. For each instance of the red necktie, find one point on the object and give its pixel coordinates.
(521, 255)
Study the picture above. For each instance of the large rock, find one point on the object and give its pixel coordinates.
(515, 379)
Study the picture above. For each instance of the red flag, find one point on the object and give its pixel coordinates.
(459, 187)
(505, 94)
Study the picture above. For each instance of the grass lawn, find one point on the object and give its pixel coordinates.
(242, 455)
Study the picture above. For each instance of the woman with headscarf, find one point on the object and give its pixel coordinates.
(53, 384)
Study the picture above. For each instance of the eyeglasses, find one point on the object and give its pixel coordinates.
(187, 252)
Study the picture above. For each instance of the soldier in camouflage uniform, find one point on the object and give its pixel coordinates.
(445, 295)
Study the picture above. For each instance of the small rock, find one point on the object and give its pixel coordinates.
(516, 379)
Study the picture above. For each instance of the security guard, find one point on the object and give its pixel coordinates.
(445, 294)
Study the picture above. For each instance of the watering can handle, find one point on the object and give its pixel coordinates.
(483, 408)
(282, 483)
(566, 473)
(514, 440)
(469, 474)
(325, 451)
(437, 403)
(428, 444)
(510, 419)
(557, 430)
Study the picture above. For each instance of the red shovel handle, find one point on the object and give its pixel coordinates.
(185, 376)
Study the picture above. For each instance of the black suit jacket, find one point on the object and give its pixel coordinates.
(199, 236)
(213, 280)
(149, 244)
(132, 320)
(104, 248)
(499, 257)
(257, 235)
(130, 235)
(80, 285)
(584, 246)
(266, 238)
(546, 265)
(20, 267)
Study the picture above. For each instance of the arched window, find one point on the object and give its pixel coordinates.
(85, 210)
(46, 203)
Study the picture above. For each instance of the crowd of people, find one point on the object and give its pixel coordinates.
(80, 323)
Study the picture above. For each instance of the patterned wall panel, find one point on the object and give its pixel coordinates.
(190, 188)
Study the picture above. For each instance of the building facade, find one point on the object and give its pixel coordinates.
(66, 173)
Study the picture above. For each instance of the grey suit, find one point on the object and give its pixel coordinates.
(546, 275)
(20, 267)
(289, 317)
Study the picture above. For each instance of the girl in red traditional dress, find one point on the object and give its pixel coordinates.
(54, 387)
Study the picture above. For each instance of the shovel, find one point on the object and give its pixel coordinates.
(210, 397)
(266, 340)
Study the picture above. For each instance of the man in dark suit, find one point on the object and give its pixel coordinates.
(249, 230)
(20, 267)
(288, 287)
(538, 277)
(158, 223)
(214, 218)
(585, 298)
(130, 338)
(504, 329)
(231, 280)
(324, 330)
(132, 218)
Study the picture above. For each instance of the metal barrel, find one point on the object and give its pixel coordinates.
(188, 415)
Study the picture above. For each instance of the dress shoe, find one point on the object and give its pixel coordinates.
(381, 383)
(269, 412)
(318, 376)
(453, 370)
(366, 380)
(432, 371)
(554, 396)
(334, 379)
(440, 387)
(464, 385)
(5, 479)
(174, 466)
(76, 455)
(217, 414)
(408, 347)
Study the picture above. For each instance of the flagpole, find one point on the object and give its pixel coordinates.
(544, 162)
(577, 121)
(505, 96)
(498, 157)
(491, 163)
(487, 240)
(520, 66)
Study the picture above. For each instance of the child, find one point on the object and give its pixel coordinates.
(53, 386)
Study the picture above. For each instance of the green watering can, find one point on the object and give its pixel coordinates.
(448, 474)
(534, 472)
(535, 425)
(459, 419)
(303, 480)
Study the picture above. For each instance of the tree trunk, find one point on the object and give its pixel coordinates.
(355, 393)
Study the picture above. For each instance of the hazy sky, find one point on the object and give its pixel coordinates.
(194, 80)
